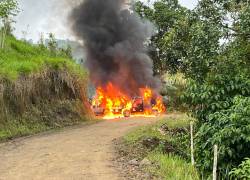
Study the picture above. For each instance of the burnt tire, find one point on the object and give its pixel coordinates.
(155, 113)
(126, 113)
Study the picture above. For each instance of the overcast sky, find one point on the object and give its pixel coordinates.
(43, 16)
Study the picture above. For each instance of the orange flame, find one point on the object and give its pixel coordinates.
(110, 102)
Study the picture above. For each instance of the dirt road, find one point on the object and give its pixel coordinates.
(76, 153)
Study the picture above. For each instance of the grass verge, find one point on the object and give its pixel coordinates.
(171, 167)
(42, 118)
(166, 145)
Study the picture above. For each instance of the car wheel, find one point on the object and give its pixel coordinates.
(126, 113)
(156, 113)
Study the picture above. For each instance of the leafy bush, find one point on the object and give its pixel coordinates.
(213, 53)
(243, 171)
(230, 130)
(221, 104)
(215, 94)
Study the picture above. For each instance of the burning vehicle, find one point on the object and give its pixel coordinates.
(114, 38)
(109, 103)
(139, 106)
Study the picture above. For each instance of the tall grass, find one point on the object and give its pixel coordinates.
(174, 120)
(38, 90)
(165, 165)
(172, 167)
(20, 57)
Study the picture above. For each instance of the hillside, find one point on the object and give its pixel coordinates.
(40, 89)
(78, 52)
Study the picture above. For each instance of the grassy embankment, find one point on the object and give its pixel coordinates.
(39, 90)
(166, 145)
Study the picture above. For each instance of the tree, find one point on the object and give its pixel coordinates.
(168, 45)
(8, 8)
(41, 42)
(68, 51)
(218, 91)
(52, 44)
(210, 46)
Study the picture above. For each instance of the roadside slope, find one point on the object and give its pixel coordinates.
(41, 88)
(78, 153)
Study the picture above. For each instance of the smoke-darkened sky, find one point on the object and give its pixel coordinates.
(43, 16)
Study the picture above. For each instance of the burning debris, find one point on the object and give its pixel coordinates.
(117, 58)
(112, 102)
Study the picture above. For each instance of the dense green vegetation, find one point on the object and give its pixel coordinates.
(164, 144)
(219, 98)
(8, 9)
(168, 45)
(243, 171)
(210, 47)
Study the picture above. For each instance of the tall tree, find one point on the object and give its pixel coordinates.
(211, 46)
(8, 8)
(41, 42)
(68, 51)
(52, 44)
(167, 46)
(219, 82)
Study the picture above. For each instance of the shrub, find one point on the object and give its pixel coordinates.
(221, 105)
(243, 171)
(230, 130)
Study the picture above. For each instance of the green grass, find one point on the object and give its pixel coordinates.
(173, 121)
(165, 166)
(19, 57)
(43, 118)
(171, 167)
(16, 129)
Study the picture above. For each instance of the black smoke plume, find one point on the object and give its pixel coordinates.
(115, 41)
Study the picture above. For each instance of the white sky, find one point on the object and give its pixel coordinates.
(42, 16)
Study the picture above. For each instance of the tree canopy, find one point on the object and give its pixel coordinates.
(210, 45)
(167, 46)
(8, 8)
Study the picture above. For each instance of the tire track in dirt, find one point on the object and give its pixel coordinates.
(75, 153)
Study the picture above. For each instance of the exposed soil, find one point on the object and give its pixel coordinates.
(84, 152)
(129, 160)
